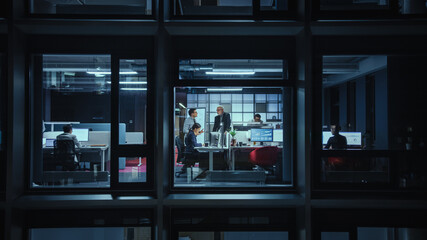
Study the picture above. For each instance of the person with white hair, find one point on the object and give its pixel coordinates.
(223, 118)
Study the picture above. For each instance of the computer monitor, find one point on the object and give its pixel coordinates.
(261, 135)
(353, 138)
(50, 142)
(82, 134)
(278, 135)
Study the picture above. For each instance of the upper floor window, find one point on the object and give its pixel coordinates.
(327, 9)
(91, 7)
(233, 8)
(235, 69)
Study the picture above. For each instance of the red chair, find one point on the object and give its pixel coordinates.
(264, 157)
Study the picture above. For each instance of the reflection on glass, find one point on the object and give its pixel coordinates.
(353, 5)
(225, 145)
(132, 101)
(213, 7)
(135, 170)
(271, 5)
(229, 235)
(75, 120)
(243, 69)
(356, 170)
(91, 7)
(95, 233)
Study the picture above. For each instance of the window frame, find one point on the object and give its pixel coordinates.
(257, 14)
(184, 49)
(42, 45)
(4, 105)
(153, 15)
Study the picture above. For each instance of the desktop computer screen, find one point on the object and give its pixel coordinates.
(261, 135)
(353, 138)
(82, 134)
(50, 142)
(278, 135)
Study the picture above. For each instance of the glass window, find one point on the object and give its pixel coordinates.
(220, 69)
(91, 7)
(355, 102)
(134, 170)
(93, 233)
(243, 150)
(74, 115)
(229, 235)
(133, 101)
(229, 8)
(353, 5)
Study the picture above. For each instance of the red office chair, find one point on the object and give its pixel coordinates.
(263, 158)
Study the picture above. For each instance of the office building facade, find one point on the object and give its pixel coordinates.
(338, 85)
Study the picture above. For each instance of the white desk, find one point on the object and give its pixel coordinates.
(211, 150)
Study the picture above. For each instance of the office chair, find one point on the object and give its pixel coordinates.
(264, 158)
(64, 155)
(181, 154)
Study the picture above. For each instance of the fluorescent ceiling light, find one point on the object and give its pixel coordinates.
(182, 105)
(109, 82)
(99, 75)
(231, 73)
(108, 73)
(224, 89)
(134, 89)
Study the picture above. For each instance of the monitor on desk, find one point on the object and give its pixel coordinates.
(353, 138)
(50, 142)
(82, 134)
(261, 135)
(278, 135)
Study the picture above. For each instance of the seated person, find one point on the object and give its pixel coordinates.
(191, 154)
(67, 135)
(257, 118)
(337, 141)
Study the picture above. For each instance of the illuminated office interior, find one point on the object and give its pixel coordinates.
(202, 119)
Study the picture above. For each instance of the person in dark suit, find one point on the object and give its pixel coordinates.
(337, 141)
(223, 118)
(191, 154)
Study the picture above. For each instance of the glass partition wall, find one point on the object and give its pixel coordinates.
(371, 135)
(235, 136)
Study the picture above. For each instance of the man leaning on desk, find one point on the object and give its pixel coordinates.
(223, 118)
(67, 135)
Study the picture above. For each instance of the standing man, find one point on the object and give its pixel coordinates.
(223, 118)
(190, 121)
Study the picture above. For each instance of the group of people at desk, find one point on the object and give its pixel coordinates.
(192, 129)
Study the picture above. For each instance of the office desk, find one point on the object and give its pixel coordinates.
(102, 150)
(211, 150)
(233, 149)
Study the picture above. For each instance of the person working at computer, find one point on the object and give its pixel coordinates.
(257, 118)
(190, 121)
(191, 154)
(223, 118)
(337, 141)
(67, 135)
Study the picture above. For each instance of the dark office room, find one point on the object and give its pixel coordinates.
(213, 119)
